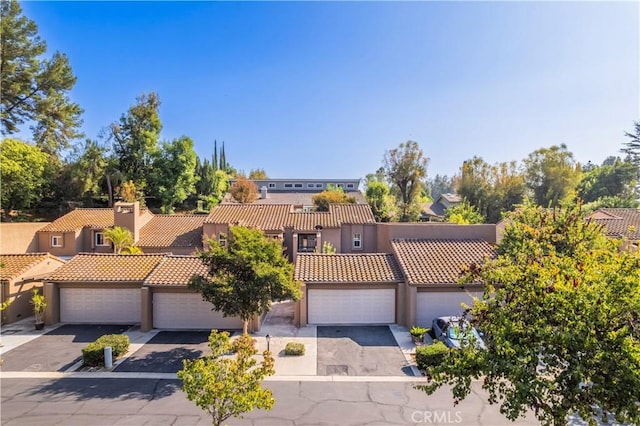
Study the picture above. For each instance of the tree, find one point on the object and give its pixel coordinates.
(247, 276)
(463, 213)
(614, 178)
(88, 170)
(491, 189)
(130, 193)
(173, 176)
(244, 191)
(440, 184)
(224, 387)
(34, 89)
(135, 138)
(258, 174)
(552, 175)
(331, 195)
(405, 167)
(21, 174)
(380, 200)
(632, 147)
(120, 237)
(560, 310)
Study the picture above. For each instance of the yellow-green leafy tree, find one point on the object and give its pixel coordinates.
(561, 311)
(225, 386)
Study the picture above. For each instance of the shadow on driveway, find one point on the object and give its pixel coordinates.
(166, 350)
(359, 351)
(58, 349)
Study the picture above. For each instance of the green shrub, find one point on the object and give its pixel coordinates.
(294, 348)
(93, 353)
(431, 355)
(418, 332)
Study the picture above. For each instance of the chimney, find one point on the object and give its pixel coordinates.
(263, 192)
(127, 215)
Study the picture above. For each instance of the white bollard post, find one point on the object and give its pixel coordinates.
(108, 358)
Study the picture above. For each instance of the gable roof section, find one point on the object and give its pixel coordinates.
(619, 222)
(172, 231)
(347, 268)
(277, 217)
(14, 265)
(438, 261)
(90, 267)
(176, 271)
(81, 218)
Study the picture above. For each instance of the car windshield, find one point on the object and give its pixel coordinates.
(456, 332)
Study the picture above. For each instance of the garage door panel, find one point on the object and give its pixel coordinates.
(430, 305)
(100, 305)
(366, 306)
(188, 311)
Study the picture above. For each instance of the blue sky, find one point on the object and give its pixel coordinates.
(323, 89)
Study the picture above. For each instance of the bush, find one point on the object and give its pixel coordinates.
(294, 348)
(418, 332)
(93, 353)
(431, 355)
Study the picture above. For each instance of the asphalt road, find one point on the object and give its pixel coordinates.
(84, 401)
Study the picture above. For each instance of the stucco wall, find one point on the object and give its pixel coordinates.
(18, 238)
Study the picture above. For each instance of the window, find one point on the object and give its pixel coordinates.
(310, 185)
(298, 185)
(288, 185)
(272, 185)
(56, 241)
(349, 185)
(319, 185)
(222, 239)
(306, 243)
(99, 239)
(357, 241)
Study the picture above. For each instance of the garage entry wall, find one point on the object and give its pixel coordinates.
(100, 305)
(187, 310)
(432, 303)
(353, 305)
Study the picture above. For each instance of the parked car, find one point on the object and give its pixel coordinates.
(456, 331)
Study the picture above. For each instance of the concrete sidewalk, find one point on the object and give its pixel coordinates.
(20, 332)
(278, 324)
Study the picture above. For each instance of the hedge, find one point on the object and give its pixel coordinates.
(431, 355)
(93, 353)
(294, 348)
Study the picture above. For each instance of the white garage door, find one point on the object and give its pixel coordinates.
(366, 306)
(100, 305)
(431, 305)
(188, 311)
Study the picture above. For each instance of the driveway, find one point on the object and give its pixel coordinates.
(56, 350)
(166, 350)
(359, 351)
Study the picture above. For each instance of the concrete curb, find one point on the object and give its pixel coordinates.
(173, 376)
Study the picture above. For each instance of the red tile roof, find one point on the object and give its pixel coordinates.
(619, 222)
(277, 217)
(81, 218)
(14, 265)
(347, 268)
(438, 261)
(89, 267)
(176, 271)
(172, 231)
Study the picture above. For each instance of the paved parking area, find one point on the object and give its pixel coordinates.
(165, 351)
(56, 350)
(359, 351)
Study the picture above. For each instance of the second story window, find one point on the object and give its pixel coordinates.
(357, 240)
(56, 241)
(222, 239)
(100, 240)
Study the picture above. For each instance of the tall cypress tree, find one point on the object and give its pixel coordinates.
(223, 159)
(215, 155)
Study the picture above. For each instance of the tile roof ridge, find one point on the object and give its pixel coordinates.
(122, 254)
